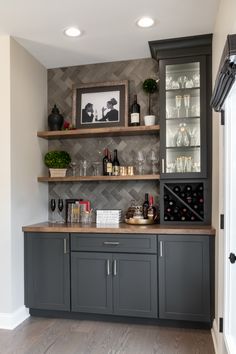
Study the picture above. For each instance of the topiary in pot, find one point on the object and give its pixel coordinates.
(57, 162)
(149, 86)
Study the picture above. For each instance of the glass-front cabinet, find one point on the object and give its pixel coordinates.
(183, 117)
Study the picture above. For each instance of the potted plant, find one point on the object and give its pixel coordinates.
(57, 162)
(150, 86)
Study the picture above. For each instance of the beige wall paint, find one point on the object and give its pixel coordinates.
(23, 95)
(225, 24)
(5, 191)
(28, 113)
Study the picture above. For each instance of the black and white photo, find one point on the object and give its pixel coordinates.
(100, 105)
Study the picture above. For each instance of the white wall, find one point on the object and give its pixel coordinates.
(5, 190)
(225, 24)
(25, 200)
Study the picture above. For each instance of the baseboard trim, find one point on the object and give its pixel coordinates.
(12, 320)
(214, 334)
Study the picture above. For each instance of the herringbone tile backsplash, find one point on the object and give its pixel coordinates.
(104, 194)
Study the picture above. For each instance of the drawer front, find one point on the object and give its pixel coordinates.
(114, 243)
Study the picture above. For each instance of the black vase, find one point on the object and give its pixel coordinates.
(55, 119)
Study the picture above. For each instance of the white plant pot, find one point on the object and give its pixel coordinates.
(57, 172)
(149, 120)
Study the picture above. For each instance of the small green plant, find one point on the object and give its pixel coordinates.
(57, 159)
(150, 86)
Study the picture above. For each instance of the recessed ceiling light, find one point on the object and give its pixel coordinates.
(72, 32)
(145, 22)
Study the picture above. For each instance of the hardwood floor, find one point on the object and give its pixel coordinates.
(57, 336)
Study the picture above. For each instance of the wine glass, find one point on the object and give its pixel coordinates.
(178, 101)
(182, 81)
(53, 207)
(96, 165)
(60, 206)
(154, 160)
(187, 103)
(73, 166)
(140, 161)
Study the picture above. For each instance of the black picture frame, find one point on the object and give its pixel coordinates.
(89, 100)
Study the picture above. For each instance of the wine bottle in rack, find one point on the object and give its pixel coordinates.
(176, 189)
(135, 113)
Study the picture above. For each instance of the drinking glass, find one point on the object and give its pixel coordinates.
(178, 101)
(83, 167)
(140, 161)
(96, 166)
(182, 81)
(53, 207)
(154, 160)
(73, 166)
(60, 206)
(186, 103)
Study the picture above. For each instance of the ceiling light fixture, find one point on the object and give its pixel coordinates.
(72, 32)
(145, 22)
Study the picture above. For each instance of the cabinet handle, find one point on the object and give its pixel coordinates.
(114, 267)
(161, 249)
(163, 165)
(65, 246)
(111, 243)
(108, 267)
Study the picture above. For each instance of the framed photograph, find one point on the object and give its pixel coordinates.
(100, 105)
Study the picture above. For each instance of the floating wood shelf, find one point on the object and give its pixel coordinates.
(93, 132)
(99, 178)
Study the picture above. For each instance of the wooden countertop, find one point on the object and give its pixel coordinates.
(122, 229)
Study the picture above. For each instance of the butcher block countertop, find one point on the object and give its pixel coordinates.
(122, 229)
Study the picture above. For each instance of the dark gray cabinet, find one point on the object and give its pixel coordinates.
(106, 277)
(135, 285)
(184, 277)
(91, 282)
(47, 271)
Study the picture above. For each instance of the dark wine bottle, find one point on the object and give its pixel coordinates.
(145, 206)
(176, 189)
(188, 188)
(135, 113)
(166, 197)
(104, 162)
(109, 165)
(115, 165)
(176, 210)
(166, 217)
(199, 188)
(151, 210)
(169, 210)
(171, 202)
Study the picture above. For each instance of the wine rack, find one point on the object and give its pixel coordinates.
(184, 202)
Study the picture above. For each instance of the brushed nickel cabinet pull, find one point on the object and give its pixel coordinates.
(161, 249)
(163, 165)
(114, 267)
(65, 246)
(111, 243)
(108, 267)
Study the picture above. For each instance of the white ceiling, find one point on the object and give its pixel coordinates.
(109, 29)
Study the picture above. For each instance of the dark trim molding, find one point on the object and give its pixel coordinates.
(226, 74)
(183, 46)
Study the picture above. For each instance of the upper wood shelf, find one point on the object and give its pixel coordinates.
(99, 178)
(93, 132)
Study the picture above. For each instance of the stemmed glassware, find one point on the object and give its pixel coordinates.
(154, 160)
(182, 81)
(178, 101)
(186, 103)
(96, 165)
(73, 166)
(60, 208)
(140, 161)
(53, 207)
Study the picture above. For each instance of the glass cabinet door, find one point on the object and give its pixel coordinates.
(183, 118)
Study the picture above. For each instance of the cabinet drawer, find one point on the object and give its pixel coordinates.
(114, 243)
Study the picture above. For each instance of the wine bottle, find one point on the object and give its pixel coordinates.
(135, 113)
(109, 165)
(176, 189)
(151, 210)
(104, 162)
(171, 202)
(188, 188)
(115, 165)
(199, 189)
(166, 197)
(145, 206)
(166, 217)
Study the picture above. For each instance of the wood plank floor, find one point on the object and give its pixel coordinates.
(57, 336)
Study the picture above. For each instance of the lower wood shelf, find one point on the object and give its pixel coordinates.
(99, 178)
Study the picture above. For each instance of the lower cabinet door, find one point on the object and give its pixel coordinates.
(184, 278)
(91, 282)
(135, 285)
(47, 271)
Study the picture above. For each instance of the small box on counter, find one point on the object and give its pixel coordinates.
(108, 216)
